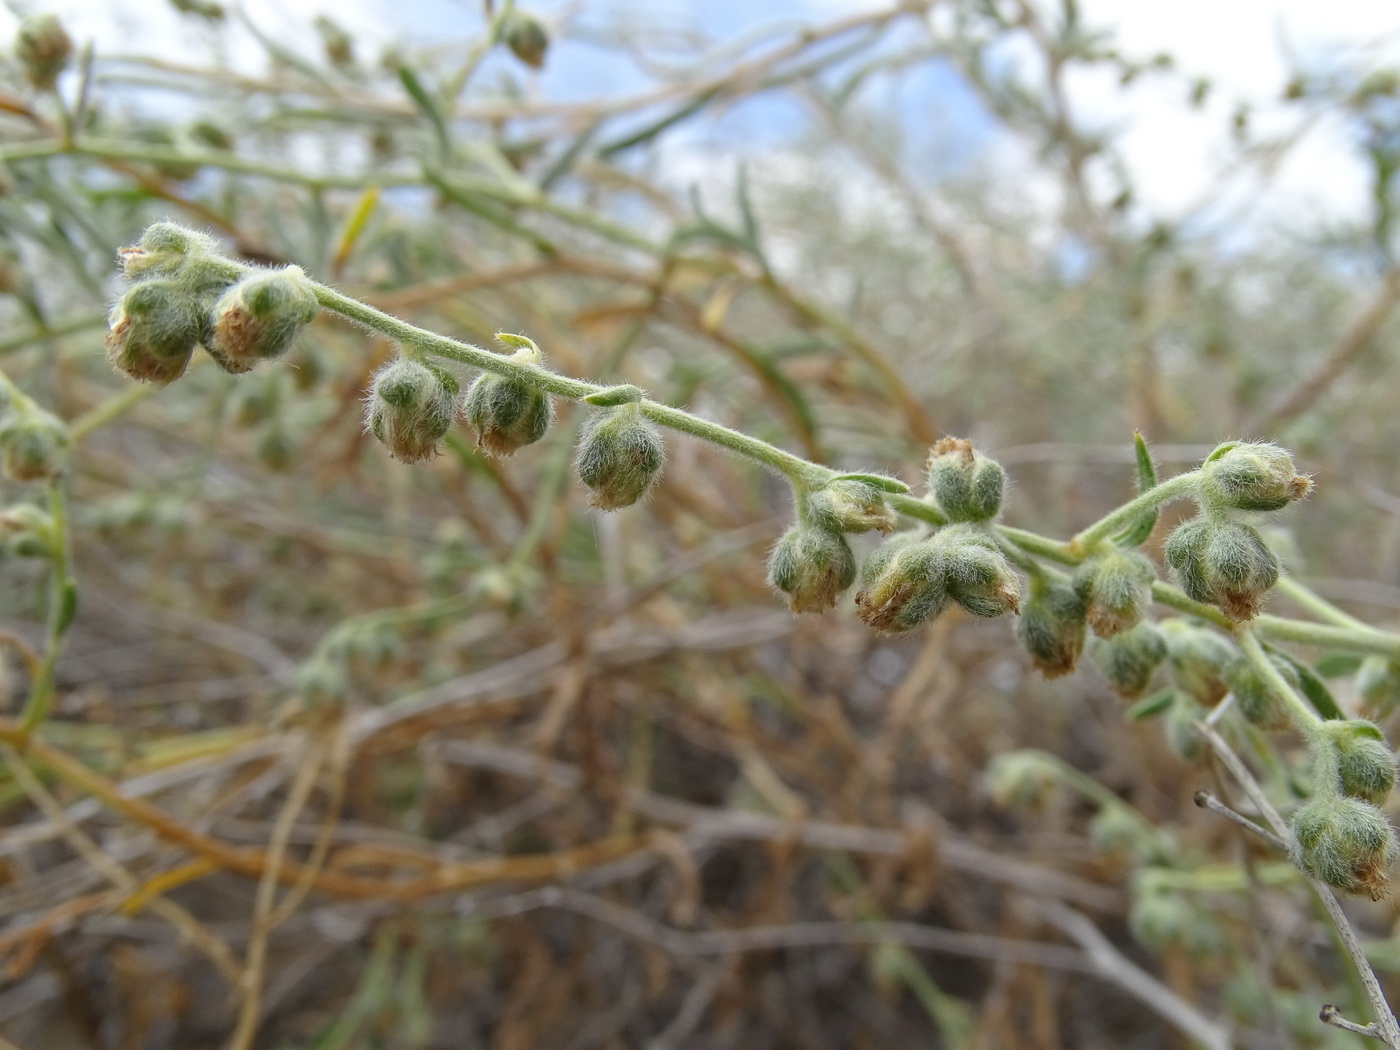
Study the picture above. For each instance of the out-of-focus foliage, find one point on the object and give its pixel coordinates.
(438, 689)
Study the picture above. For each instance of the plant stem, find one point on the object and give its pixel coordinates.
(1171, 489)
(61, 599)
(1318, 605)
(1305, 719)
(786, 463)
(1304, 632)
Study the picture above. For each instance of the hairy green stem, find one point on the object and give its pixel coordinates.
(409, 335)
(1305, 718)
(1357, 640)
(1171, 489)
(1318, 605)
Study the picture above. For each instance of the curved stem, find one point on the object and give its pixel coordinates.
(1356, 640)
(1305, 718)
(1318, 605)
(1171, 489)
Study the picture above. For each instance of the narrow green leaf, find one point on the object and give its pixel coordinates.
(1152, 705)
(1136, 534)
(420, 95)
(1337, 665)
(881, 481)
(625, 394)
(67, 605)
(1312, 686)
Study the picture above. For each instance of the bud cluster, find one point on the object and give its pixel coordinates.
(619, 456)
(908, 582)
(508, 414)
(813, 564)
(966, 484)
(1345, 842)
(43, 48)
(185, 294)
(34, 443)
(411, 406)
(1219, 559)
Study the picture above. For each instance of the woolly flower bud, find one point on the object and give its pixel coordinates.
(1180, 729)
(966, 484)
(847, 505)
(526, 37)
(35, 444)
(1162, 919)
(902, 585)
(1251, 476)
(1052, 627)
(1199, 657)
(619, 456)
(508, 414)
(1118, 829)
(26, 531)
(1130, 659)
(1116, 589)
(1346, 843)
(411, 406)
(905, 584)
(1365, 762)
(1257, 701)
(259, 318)
(1224, 563)
(813, 567)
(43, 48)
(979, 578)
(164, 250)
(153, 331)
(1022, 778)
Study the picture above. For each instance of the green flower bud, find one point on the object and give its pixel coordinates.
(321, 682)
(164, 250)
(1251, 476)
(27, 531)
(1346, 843)
(1257, 701)
(619, 456)
(1199, 658)
(848, 505)
(508, 414)
(1378, 682)
(1181, 734)
(338, 44)
(43, 48)
(1052, 627)
(1224, 563)
(153, 331)
(259, 318)
(526, 37)
(35, 444)
(1365, 762)
(1130, 659)
(967, 485)
(1163, 919)
(978, 576)
(1022, 778)
(1116, 589)
(1118, 829)
(813, 567)
(410, 407)
(905, 584)
(902, 585)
